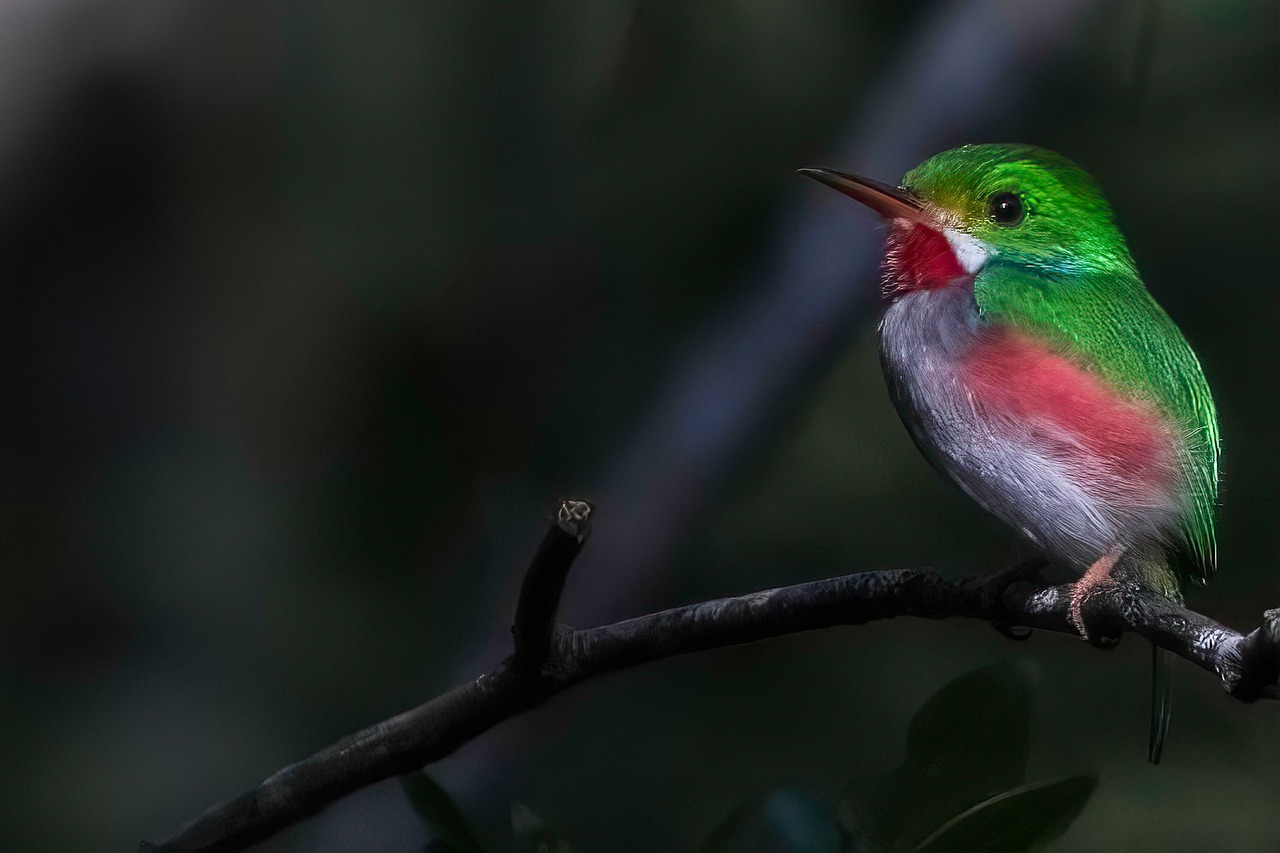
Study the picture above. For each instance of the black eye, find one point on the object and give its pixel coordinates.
(1005, 208)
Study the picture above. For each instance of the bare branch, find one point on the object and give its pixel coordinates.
(550, 658)
(543, 585)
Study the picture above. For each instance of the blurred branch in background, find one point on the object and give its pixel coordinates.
(537, 669)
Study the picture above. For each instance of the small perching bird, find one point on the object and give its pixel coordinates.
(1032, 367)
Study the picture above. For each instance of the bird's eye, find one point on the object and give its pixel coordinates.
(1005, 208)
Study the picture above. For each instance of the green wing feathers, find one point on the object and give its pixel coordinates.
(1200, 419)
(1166, 368)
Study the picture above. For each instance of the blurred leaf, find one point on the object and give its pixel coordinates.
(968, 743)
(1021, 819)
(438, 811)
(532, 832)
(783, 820)
(976, 727)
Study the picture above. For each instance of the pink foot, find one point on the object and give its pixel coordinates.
(1097, 577)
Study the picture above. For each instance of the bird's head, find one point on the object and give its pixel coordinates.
(965, 209)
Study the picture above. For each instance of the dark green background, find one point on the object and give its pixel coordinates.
(311, 312)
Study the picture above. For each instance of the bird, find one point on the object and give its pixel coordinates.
(1033, 368)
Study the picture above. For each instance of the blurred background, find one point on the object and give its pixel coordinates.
(311, 312)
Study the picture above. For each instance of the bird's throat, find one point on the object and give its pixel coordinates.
(918, 257)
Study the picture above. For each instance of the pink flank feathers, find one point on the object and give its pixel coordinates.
(1121, 450)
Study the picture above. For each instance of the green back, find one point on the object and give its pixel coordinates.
(1065, 273)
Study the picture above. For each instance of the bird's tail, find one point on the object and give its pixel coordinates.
(1161, 699)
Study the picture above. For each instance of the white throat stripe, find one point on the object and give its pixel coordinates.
(971, 253)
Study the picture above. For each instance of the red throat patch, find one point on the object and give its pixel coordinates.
(918, 258)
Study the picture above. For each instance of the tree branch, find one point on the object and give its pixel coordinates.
(543, 585)
(549, 658)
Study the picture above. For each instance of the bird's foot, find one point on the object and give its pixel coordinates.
(1094, 581)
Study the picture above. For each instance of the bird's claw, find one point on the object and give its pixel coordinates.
(1081, 592)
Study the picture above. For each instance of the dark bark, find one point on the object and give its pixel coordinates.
(549, 658)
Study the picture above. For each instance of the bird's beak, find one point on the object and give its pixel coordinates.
(889, 202)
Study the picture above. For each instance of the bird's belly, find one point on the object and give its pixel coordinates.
(1041, 443)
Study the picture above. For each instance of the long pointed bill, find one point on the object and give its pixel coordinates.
(890, 202)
